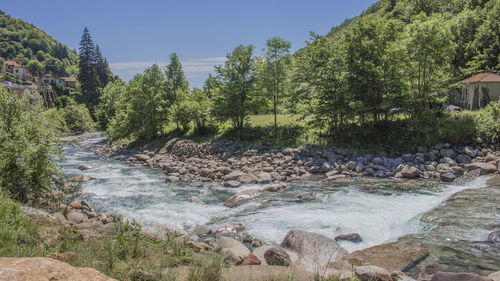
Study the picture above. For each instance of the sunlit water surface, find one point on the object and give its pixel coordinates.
(380, 211)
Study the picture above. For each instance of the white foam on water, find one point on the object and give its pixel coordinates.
(143, 194)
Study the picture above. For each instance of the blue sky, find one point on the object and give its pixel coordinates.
(136, 34)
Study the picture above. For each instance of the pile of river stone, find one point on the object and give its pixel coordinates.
(220, 161)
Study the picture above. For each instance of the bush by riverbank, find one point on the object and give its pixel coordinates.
(125, 253)
(399, 134)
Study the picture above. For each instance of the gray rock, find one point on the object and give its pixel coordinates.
(495, 276)
(470, 151)
(195, 199)
(448, 177)
(172, 179)
(260, 251)
(76, 217)
(463, 159)
(242, 197)
(378, 161)
(372, 273)
(232, 183)
(312, 249)
(352, 237)
(202, 230)
(410, 172)
(84, 167)
(486, 168)
(277, 256)
(224, 244)
(264, 177)
(326, 167)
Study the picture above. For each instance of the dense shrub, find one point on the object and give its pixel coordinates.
(69, 118)
(26, 148)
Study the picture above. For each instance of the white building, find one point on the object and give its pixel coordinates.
(479, 90)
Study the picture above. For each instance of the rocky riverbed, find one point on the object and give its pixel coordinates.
(201, 174)
(221, 162)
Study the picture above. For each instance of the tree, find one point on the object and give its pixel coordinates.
(27, 169)
(320, 85)
(175, 80)
(143, 110)
(429, 52)
(234, 101)
(276, 54)
(102, 68)
(87, 75)
(109, 102)
(35, 67)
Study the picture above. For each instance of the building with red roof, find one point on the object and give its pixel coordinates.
(479, 90)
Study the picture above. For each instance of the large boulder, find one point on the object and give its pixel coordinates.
(20, 269)
(277, 256)
(234, 175)
(313, 250)
(76, 217)
(156, 231)
(260, 251)
(410, 172)
(391, 256)
(451, 276)
(142, 157)
(242, 197)
(495, 276)
(232, 250)
(372, 273)
(486, 168)
(448, 177)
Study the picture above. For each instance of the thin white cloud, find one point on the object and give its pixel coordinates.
(197, 68)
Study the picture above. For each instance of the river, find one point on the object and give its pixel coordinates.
(379, 210)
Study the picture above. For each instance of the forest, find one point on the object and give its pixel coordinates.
(380, 78)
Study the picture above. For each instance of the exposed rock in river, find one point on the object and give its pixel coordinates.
(391, 256)
(313, 250)
(462, 225)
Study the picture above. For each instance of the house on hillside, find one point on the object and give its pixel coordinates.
(60, 82)
(69, 82)
(479, 90)
(18, 70)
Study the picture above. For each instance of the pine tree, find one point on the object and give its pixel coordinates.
(102, 68)
(87, 74)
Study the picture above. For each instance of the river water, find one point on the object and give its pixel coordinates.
(380, 211)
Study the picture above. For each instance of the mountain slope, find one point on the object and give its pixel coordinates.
(34, 48)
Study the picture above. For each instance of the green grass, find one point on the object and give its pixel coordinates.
(125, 255)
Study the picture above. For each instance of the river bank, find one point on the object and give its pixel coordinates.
(209, 233)
(222, 162)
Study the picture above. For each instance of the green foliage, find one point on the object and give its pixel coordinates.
(26, 148)
(143, 109)
(274, 71)
(109, 103)
(93, 71)
(19, 39)
(236, 98)
(18, 234)
(429, 51)
(124, 254)
(68, 118)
